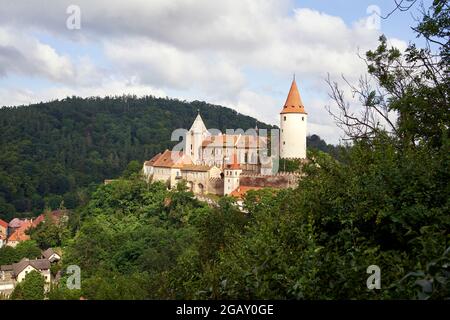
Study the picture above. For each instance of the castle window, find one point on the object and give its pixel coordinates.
(284, 142)
(284, 118)
(303, 118)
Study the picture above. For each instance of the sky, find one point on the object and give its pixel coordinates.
(240, 54)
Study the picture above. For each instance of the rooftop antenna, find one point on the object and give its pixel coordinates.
(294, 76)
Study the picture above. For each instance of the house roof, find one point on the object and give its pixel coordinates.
(38, 264)
(15, 223)
(240, 191)
(3, 223)
(294, 103)
(165, 160)
(6, 267)
(152, 161)
(172, 159)
(198, 125)
(56, 216)
(19, 236)
(19, 233)
(48, 253)
(193, 167)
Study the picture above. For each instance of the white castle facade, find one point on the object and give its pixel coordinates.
(232, 164)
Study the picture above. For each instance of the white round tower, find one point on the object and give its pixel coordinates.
(293, 121)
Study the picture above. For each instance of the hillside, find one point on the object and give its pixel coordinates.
(49, 150)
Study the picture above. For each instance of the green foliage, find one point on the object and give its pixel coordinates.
(26, 249)
(433, 282)
(31, 288)
(52, 150)
(131, 234)
(289, 165)
(382, 201)
(376, 206)
(133, 169)
(49, 234)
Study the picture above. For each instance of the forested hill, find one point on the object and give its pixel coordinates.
(49, 150)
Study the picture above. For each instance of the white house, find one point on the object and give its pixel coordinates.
(51, 255)
(15, 273)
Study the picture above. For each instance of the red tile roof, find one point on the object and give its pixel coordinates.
(19, 236)
(240, 192)
(171, 159)
(56, 217)
(3, 224)
(293, 102)
(152, 161)
(195, 167)
(15, 223)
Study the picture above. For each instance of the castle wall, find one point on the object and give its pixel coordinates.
(215, 186)
(280, 180)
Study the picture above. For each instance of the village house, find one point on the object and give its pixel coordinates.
(15, 224)
(12, 274)
(15, 273)
(51, 255)
(3, 228)
(57, 216)
(19, 233)
(17, 228)
(240, 192)
(3, 232)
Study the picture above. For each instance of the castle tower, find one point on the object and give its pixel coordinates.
(293, 120)
(194, 139)
(231, 173)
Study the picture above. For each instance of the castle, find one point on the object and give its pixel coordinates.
(234, 163)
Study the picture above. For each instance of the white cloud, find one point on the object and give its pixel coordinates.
(189, 46)
(164, 65)
(11, 96)
(23, 54)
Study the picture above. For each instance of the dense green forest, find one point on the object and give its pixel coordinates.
(383, 201)
(51, 151)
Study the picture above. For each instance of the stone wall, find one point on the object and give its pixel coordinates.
(280, 180)
(215, 186)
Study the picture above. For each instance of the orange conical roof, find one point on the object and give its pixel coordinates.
(293, 102)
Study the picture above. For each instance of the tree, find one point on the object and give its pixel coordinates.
(31, 288)
(25, 249)
(411, 99)
(49, 234)
(133, 169)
